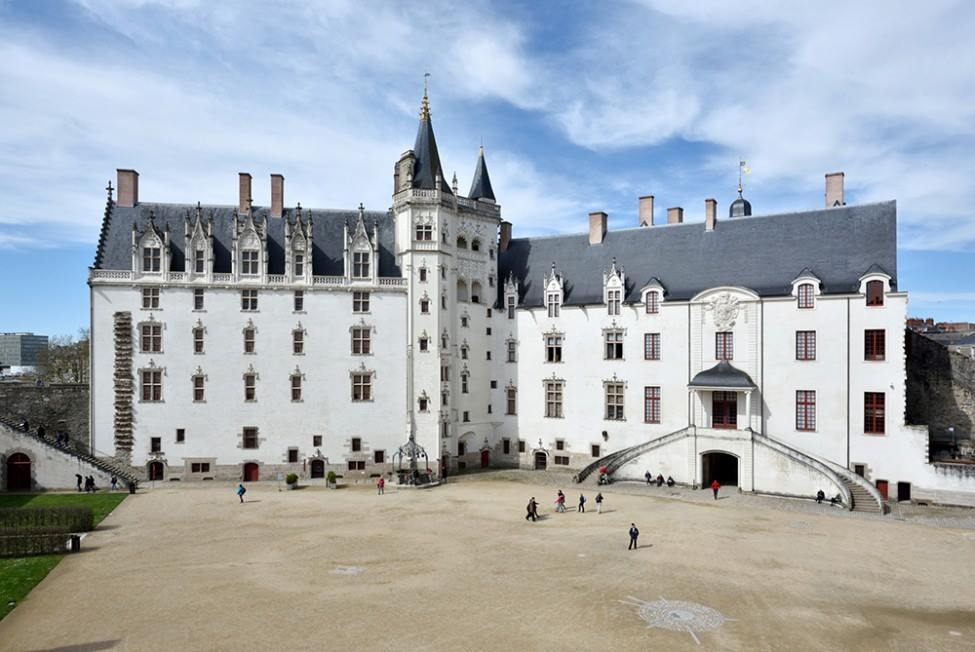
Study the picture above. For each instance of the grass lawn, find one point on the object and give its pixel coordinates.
(18, 575)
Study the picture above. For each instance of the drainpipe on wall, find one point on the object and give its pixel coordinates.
(848, 383)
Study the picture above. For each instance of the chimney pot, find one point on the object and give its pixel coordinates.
(675, 215)
(245, 196)
(834, 189)
(128, 188)
(646, 210)
(597, 227)
(277, 195)
(710, 214)
(504, 239)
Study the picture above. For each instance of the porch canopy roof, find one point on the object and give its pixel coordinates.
(722, 376)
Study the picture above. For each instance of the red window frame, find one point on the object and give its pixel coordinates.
(805, 345)
(875, 293)
(653, 303)
(805, 409)
(651, 346)
(724, 346)
(651, 404)
(874, 344)
(806, 296)
(874, 412)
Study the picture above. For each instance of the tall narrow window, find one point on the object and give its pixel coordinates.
(465, 383)
(724, 346)
(299, 265)
(248, 300)
(361, 344)
(360, 302)
(150, 298)
(199, 395)
(873, 413)
(511, 307)
(151, 385)
(198, 340)
(360, 264)
(806, 294)
(248, 262)
(553, 399)
(295, 387)
(198, 260)
(250, 387)
(614, 401)
(198, 299)
(299, 301)
(250, 438)
(805, 345)
(553, 348)
(805, 409)
(874, 344)
(554, 301)
(651, 405)
(249, 340)
(151, 258)
(357, 444)
(651, 346)
(423, 275)
(424, 343)
(512, 349)
(614, 344)
(361, 387)
(653, 303)
(511, 394)
(425, 306)
(298, 342)
(613, 301)
(875, 293)
(151, 338)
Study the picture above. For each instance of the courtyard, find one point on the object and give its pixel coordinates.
(459, 568)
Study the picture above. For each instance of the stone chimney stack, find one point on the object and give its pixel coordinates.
(128, 188)
(646, 210)
(277, 195)
(597, 227)
(504, 239)
(834, 189)
(245, 192)
(710, 214)
(675, 215)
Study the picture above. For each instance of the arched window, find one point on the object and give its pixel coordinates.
(476, 292)
(475, 245)
(875, 293)
(461, 290)
(806, 294)
(461, 243)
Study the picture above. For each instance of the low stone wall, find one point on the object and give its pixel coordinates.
(50, 468)
(940, 389)
(55, 407)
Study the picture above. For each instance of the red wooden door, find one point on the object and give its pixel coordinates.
(724, 410)
(251, 472)
(18, 472)
(155, 470)
(882, 488)
(485, 459)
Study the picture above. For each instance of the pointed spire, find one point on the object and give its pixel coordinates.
(481, 186)
(427, 172)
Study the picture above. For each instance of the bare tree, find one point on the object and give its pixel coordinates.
(66, 359)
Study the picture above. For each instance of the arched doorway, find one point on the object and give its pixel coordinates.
(317, 469)
(722, 467)
(485, 459)
(18, 472)
(252, 472)
(155, 470)
(541, 460)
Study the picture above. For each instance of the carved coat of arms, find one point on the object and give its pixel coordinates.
(724, 309)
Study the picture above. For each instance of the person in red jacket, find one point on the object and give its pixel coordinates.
(714, 487)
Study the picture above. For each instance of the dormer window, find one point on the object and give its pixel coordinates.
(152, 258)
(511, 306)
(299, 265)
(806, 294)
(613, 301)
(653, 303)
(553, 301)
(248, 262)
(199, 258)
(875, 293)
(360, 264)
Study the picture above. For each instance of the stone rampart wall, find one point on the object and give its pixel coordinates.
(55, 407)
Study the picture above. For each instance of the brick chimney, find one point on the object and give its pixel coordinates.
(277, 195)
(710, 214)
(834, 189)
(597, 227)
(675, 215)
(504, 239)
(245, 192)
(646, 210)
(128, 188)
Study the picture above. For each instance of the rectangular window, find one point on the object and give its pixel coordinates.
(651, 405)
(151, 257)
(298, 342)
(424, 343)
(360, 264)
(487, 331)
(356, 444)
(197, 340)
(463, 352)
(873, 412)
(150, 298)
(464, 384)
(553, 301)
(651, 346)
(553, 348)
(360, 302)
(724, 346)
(424, 403)
(199, 389)
(200, 467)
(152, 338)
(423, 275)
(198, 259)
(299, 265)
(806, 295)
(614, 401)
(316, 440)
(511, 307)
(425, 306)
(562, 460)
(467, 416)
(512, 349)
(155, 445)
(805, 345)
(249, 341)
(613, 301)
(248, 262)
(653, 303)
(424, 232)
(560, 444)
(521, 445)
(197, 299)
(361, 387)
(152, 385)
(292, 456)
(506, 446)
(461, 449)
(444, 373)
(295, 388)
(357, 465)
(553, 399)
(248, 300)
(180, 435)
(488, 355)
(595, 450)
(614, 345)
(299, 300)
(875, 293)
(379, 457)
(805, 409)
(250, 387)
(250, 438)
(511, 393)
(361, 344)
(874, 344)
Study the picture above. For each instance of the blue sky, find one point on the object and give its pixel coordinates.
(581, 107)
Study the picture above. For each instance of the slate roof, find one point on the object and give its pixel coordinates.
(723, 374)
(762, 253)
(115, 245)
(481, 186)
(426, 165)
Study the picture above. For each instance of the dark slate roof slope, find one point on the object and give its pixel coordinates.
(115, 245)
(723, 374)
(762, 253)
(481, 186)
(426, 167)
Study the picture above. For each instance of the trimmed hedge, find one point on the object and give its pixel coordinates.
(24, 545)
(48, 519)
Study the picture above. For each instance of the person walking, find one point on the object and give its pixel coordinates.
(648, 476)
(114, 482)
(599, 503)
(79, 479)
(714, 487)
(560, 502)
(581, 509)
(240, 492)
(532, 510)
(381, 484)
(820, 496)
(634, 533)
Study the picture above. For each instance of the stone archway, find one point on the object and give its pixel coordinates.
(317, 469)
(720, 466)
(19, 472)
(540, 460)
(252, 472)
(155, 470)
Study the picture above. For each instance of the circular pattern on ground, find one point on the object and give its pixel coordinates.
(678, 615)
